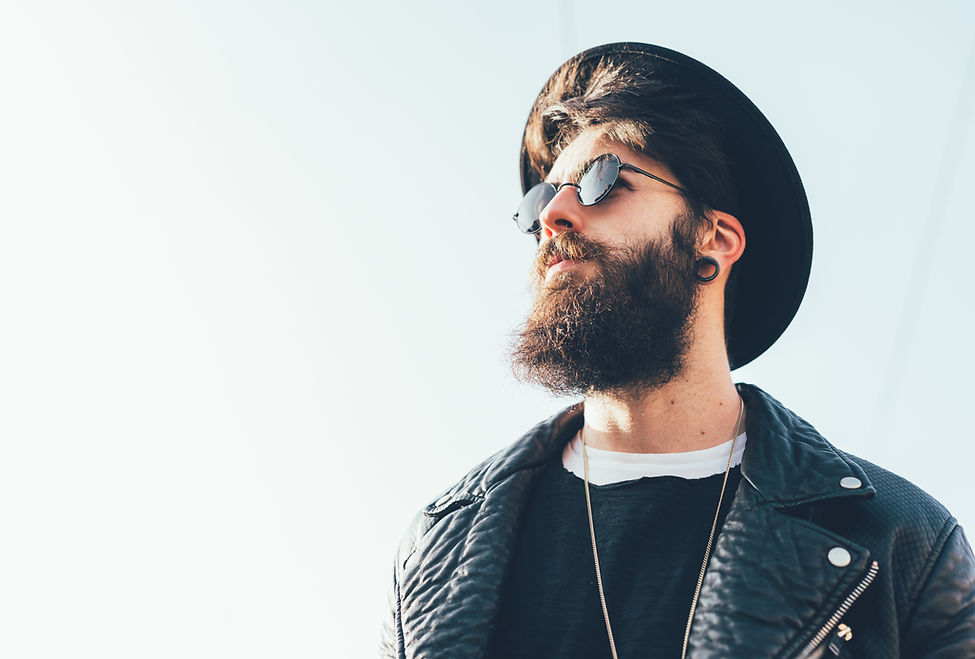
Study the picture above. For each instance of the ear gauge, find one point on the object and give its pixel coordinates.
(706, 269)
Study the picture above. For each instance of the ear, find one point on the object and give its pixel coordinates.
(723, 240)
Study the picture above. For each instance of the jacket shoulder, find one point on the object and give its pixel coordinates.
(532, 449)
(909, 532)
(931, 566)
(901, 503)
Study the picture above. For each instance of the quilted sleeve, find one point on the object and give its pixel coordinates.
(943, 622)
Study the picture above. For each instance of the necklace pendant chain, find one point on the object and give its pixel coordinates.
(707, 551)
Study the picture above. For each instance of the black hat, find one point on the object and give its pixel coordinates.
(771, 203)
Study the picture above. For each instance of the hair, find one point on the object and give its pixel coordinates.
(641, 103)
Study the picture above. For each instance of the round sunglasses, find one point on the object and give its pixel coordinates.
(596, 182)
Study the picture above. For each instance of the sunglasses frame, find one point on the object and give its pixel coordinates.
(620, 166)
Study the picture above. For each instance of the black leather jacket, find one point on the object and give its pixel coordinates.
(772, 588)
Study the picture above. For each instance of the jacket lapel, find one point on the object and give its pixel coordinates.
(771, 573)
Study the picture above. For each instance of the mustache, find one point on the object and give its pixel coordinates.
(567, 245)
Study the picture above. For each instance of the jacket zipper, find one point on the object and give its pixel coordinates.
(840, 612)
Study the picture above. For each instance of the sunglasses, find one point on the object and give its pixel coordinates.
(595, 184)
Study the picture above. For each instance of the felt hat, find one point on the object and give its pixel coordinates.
(771, 203)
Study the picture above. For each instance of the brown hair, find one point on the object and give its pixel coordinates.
(633, 101)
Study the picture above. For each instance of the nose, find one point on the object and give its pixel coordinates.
(563, 213)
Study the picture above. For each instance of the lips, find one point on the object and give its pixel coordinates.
(556, 258)
(558, 262)
(559, 265)
(566, 251)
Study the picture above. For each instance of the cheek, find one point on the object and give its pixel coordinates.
(640, 221)
(637, 231)
(658, 225)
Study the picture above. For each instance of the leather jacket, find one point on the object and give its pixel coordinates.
(821, 554)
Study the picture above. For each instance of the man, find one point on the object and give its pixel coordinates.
(671, 513)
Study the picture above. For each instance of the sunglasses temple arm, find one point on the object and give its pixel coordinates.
(655, 178)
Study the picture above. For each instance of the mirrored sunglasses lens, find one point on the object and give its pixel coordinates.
(532, 205)
(598, 179)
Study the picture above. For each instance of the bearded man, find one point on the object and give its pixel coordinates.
(671, 512)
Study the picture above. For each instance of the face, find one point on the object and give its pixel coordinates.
(615, 282)
(637, 209)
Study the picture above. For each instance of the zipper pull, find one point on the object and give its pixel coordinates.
(847, 633)
(843, 634)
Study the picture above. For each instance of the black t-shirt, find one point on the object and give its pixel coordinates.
(651, 535)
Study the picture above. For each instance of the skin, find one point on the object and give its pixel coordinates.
(699, 408)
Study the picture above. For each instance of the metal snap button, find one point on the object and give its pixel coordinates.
(839, 557)
(851, 483)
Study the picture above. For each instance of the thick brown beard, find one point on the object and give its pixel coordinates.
(625, 326)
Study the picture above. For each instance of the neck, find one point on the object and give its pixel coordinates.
(696, 410)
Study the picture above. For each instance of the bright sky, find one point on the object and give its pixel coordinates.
(258, 276)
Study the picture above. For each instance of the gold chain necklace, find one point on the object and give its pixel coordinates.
(707, 552)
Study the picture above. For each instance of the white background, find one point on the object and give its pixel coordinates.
(257, 279)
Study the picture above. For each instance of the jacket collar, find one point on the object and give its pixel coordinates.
(780, 445)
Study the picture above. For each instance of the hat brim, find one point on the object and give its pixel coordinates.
(774, 270)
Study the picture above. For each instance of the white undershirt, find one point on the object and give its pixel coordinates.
(607, 467)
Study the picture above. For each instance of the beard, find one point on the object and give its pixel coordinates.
(624, 326)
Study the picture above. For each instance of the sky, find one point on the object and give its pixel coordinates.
(258, 279)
